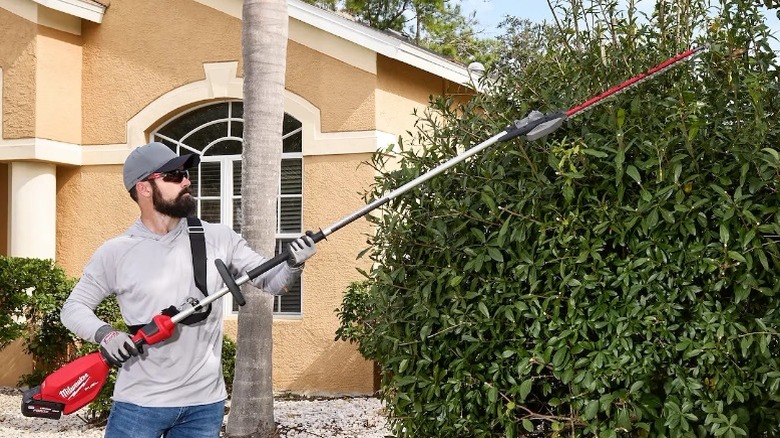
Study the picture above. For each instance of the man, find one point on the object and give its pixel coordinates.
(173, 388)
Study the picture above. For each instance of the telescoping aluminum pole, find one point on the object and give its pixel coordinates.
(534, 126)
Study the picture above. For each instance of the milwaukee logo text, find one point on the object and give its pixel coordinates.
(69, 391)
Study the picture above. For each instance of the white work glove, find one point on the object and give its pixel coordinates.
(300, 250)
(115, 346)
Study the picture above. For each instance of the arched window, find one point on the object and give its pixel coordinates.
(215, 132)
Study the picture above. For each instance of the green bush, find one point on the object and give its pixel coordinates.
(618, 278)
(228, 363)
(355, 317)
(17, 277)
(32, 293)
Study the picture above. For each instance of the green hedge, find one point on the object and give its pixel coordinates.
(32, 292)
(618, 278)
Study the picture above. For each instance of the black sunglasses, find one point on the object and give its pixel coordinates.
(174, 176)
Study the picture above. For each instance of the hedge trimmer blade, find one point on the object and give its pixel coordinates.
(537, 124)
(636, 80)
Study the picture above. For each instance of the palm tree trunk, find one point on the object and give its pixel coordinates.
(264, 37)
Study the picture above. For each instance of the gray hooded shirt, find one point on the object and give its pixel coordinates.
(149, 272)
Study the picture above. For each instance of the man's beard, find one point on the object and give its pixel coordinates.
(182, 206)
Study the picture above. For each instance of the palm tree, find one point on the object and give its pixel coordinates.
(264, 38)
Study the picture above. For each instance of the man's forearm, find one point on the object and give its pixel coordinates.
(278, 280)
(78, 316)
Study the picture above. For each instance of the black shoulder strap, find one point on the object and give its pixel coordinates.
(198, 249)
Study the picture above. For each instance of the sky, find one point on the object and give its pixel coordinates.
(490, 13)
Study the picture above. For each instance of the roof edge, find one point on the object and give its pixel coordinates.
(85, 9)
(378, 41)
(364, 36)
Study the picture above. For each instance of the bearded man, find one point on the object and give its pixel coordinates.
(173, 388)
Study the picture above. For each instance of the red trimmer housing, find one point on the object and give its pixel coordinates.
(77, 383)
(67, 390)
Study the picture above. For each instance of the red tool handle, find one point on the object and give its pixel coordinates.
(160, 329)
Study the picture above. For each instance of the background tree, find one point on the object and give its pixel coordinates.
(264, 39)
(618, 278)
(451, 33)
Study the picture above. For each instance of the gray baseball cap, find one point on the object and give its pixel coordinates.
(152, 158)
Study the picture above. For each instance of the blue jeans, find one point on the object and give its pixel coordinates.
(127, 420)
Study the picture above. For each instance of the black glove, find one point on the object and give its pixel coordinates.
(115, 346)
(300, 250)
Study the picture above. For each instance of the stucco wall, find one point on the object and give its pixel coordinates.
(15, 363)
(142, 50)
(344, 94)
(58, 86)
(92, 207)
(401, 88)
(134, 45)
(17, 59)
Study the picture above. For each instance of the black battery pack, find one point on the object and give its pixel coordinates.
(32, 407)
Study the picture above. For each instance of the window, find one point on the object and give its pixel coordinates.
(216, 133)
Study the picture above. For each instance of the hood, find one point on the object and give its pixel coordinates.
(139, 230)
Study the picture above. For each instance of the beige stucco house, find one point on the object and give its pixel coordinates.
(82, 83)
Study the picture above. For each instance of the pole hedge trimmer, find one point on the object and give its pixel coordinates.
(78, 383)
